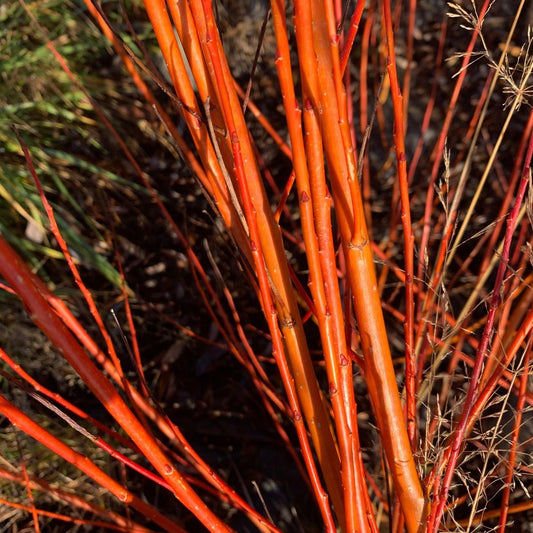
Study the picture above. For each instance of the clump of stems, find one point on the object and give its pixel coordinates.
(423, 424)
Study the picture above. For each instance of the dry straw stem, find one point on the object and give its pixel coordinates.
(478, 392)
(447, 250)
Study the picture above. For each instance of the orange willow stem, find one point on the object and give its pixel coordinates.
(379, 371)
(236, 151)
(163, 423)
(316, 223)
(26, 424)
(229, 216)
(277, 295)
(333, 335)
(146, 92)
(116, 363)
(41, 312)
(293, 115)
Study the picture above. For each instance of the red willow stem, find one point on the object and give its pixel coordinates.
(473, 389)
(521, 507)
(399, 144)
(61, 401)
(431, 103)
(26, 483)
(246, 212)
(133, 347)
(521, 334)
(352, 33)
(515, 176)
(447, 218)
(406, 91)
(260, 379)
(497, 350)
(68, 257)
(96, 440)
